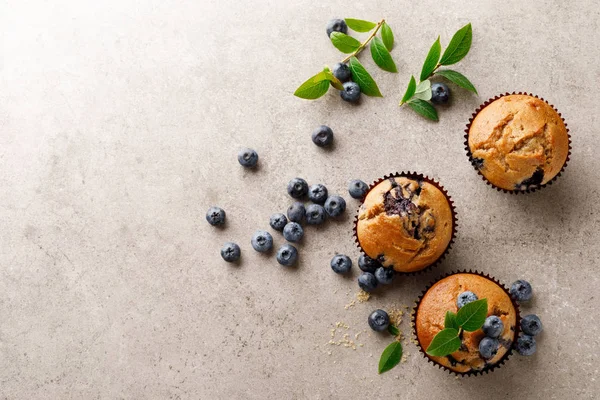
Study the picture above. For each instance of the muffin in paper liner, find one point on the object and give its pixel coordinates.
(532, 185)
(419, 178)
(489, 367)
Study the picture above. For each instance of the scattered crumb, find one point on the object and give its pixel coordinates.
(341, 324)
(332, 333)
(397, 376)
(357, 335)
(414, 341)
(329, 353)
(403, 359)
(370, 354)
(363, 296)
(349, 305)
(360, 344)
(396, 315)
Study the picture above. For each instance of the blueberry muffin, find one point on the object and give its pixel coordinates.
(518, 142)
(406, 223)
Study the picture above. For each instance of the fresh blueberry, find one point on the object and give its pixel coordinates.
(367, 264)
(315, 214)
(440, 94)
(526, 345)
(379, 320)
(230, 252)
(335, 205)
(262, 241)
(317, 193)
(287, 255)
(336, 25)
(465, 298)
(297, 188)
(248, 158)
(521, 290)
(531, 325)
(341, 264)
(293, 232)
(322, 136)
(493, 326)
(384, 275)
(215, 216)
(278, 221)
(488, 347)
(367, 281)
(357, 189)
(296, 212)
(351, 92)
(342, 72)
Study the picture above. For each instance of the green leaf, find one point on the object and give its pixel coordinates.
(360, 25)
(423, 108)
(344, 43)
(393, 330)
(431, 60)
(457, 78)
(423, 90)
(459, 46)
(390, 357)
(387, 35)
(410, 90)
(315, 87)
(444, 343)
(362, 77)
(382, 56)
(450, 320)
(472, 315)
(335, 82)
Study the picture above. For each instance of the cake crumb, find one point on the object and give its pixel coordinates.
(363, 296)
(349, 305)
(361, 344)
(357, 335)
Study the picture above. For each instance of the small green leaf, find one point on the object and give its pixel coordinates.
(315, 87)
(444, 343)
(388, 36)
(423, 108)
(450, 320)
(335, 82)
(363, 78)
(393, 330)
(423, 90)
(344, 43)
(457, 78)
(390, 357)
(459, 46)
(431, 60)
(360, 25)
(382, 56)
(410, 90)
(472, 315)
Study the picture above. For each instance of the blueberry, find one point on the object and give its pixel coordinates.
(315, 214)
(357, 189)
(351, 92)
(215, 216)
(342, 72)
(341, 264)
(440, 94)
(336, 25)
(297, 188)
(384, 275)
(293, 232)
(465, 298)
(296, 212)
(531, 325)
(521, 290)
(322, 136)
(488, 347)
(278, 221)
(248, 158)
(379, 320)
(367, 281)
(526, 345)
(317, 193)
(335, 205)
(367, 264)
(493, 326)
(287, 255)
(262, 241)
(230, 252)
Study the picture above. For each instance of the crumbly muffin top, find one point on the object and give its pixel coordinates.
(518, 142)
(405, 223)
(441, 297)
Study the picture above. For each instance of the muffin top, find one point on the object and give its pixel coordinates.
(441, 297)
(518, 142)
(405, 223)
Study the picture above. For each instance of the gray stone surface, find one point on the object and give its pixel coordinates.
(119, 126)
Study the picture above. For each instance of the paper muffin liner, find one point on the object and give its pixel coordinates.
(474, 164)
(507, 355)
(421, 177)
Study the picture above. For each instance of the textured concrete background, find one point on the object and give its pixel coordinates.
(119, 126)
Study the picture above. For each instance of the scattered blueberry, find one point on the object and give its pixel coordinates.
(230, 252)
(341, 264)
(367, 281)
(336, 25)
(342, 72)
(493, 326)
(317, 193)
(297, 188)
(526, 345)
(488, 347)
(440, 93)
(521, 290)
(215, 216)
(465, 298)
(357, 189)
(315, 214)
(262, 241)
(322, 136)
(296, 212)
(248, 158)
(531, 325)
(293, 232)
(379, 320)
(287, 255)
(367, 264)
(335, 205)
(278, 221)
(384, 275)
(351, 92)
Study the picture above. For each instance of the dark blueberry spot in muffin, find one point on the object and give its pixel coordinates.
(453, 361)
(418, 191)
(478, 163)
(534, 181)
(416, 234)
(381, 258)
(512, 328)
(398, 205)
(393, 182)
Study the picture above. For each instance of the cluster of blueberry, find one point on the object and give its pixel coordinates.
(351, 92)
